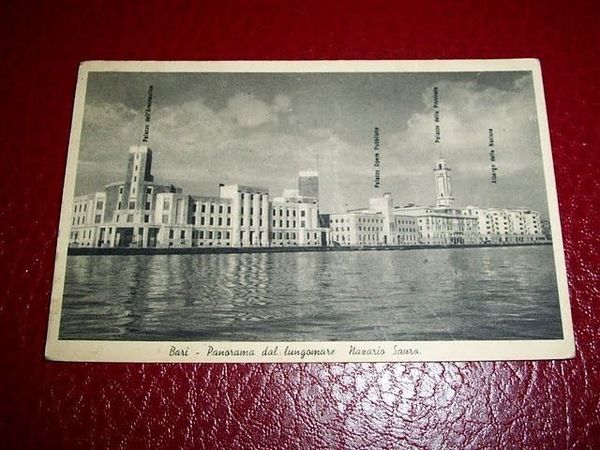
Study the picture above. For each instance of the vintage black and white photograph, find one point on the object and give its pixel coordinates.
(310, 211)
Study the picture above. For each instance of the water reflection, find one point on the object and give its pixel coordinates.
(500, 293)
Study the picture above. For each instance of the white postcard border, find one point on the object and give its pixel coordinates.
(303, 352)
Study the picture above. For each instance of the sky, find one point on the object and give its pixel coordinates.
(261, 129)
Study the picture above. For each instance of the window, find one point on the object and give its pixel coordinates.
(212, 208)
(165, 218)
(129, 217)
(99, 205)
(120, 205)
(131, 205)
(203, 207)
(229, 210)
(148, 206)
(220, 209)
(182, 234)
(201, 220)
(167, 205)
(302, 213)
(98, 218)
(201, 234)
(135, 179)
(170, 234)
(194, 207)
(210, 234)
(149, 191)
(228, 221)
(146, 218)
(212, 220)
(121, 190)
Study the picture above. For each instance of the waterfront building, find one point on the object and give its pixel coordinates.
(513, 226)
(442, 226)
(211, 219)
(406, 230)
(357, 228)
(88, 212)
(140, 213)
(383, 224)
(249, 215)
(295, 220)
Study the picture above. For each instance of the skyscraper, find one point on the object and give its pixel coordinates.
(308, 184)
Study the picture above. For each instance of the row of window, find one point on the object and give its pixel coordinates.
(211, 208)
(359, 220)
(243, 196)
(302, 223)
(279, 212)
(362, 238)
(211, 221)
(202, 234)
(131, 205)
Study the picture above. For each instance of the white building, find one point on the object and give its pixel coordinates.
(512, 226)
(140, 213)
(357, 228)
(442, 224)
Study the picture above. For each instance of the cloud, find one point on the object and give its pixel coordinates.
(467, 112)
(282, 104)
(265, 140)
(248, 111)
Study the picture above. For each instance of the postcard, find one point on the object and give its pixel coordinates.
(309, 211)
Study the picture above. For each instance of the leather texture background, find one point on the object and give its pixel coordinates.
(552, 404)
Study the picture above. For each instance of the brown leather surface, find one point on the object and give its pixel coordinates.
(551, 404)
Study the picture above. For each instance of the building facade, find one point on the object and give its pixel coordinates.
(138, 213)
(383, 224)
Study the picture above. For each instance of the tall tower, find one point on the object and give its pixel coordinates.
(308, 184)
(443, 185)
